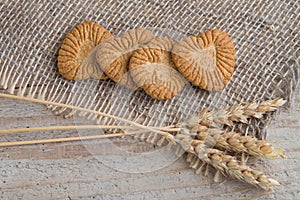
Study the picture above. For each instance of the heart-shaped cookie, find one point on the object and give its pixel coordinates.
(76, 57)
(114, 54)
(153, 69)
(206, 61)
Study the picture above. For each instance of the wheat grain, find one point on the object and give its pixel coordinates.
(236, 113)
(235, 142)
(224, 163)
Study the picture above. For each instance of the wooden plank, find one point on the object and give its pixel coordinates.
(71, 171)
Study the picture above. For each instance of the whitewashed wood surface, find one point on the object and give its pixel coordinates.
(70, 171)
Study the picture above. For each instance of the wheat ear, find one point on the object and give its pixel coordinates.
(226, 164)
(236, 113)
(235, 142)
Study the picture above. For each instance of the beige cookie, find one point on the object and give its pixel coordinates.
(207, 60)
(152, 69)
(76, 57)
(114, 54)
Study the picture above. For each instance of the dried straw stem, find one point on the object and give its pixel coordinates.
(226, 164)
(69, 139)
(236, 113)
(61, 128)
(235, 142)
(132, 123)
(78, 127)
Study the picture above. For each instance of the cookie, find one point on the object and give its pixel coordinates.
(206, 61)
(76, 57)
(114, 54)
(152, 69)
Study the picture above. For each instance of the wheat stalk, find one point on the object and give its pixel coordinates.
(224, 163)
(78, 127)
(236, 113)
(62, 128)
(68, 139)
(235, 142)
(137, 125)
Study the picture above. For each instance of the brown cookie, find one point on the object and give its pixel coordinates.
(152, 69)
(76, 57)
(207, 60)
(114, 54)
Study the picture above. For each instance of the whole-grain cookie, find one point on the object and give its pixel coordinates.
(76, 57)
(152, 69)
(114, 54)
(207, 60)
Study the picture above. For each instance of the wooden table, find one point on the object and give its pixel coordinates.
(69, 171)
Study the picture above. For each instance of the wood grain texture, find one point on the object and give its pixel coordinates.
(71, 171)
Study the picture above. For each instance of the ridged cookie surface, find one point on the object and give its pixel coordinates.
(206, 61)
(114, 54)
(152, 69)
(76, 57)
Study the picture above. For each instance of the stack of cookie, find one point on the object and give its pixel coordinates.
(139, 60)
